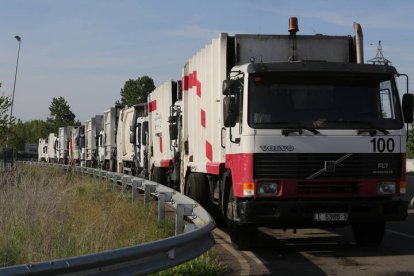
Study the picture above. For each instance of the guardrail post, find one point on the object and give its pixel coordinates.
(97, 173)
(102, 174)
(163, 197)
(148, 189)
(109, 176)
(135, 184)
(90, 171)
(125, 180)
(115, 181)
(181, 211)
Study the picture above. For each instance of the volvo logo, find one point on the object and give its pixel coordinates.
(330, 166)
(277, 148)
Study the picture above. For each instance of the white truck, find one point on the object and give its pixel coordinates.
(131, 140)
(93, 127)
(63, 144)
(107, 148)
(52, 148)
(42, 150)
(160, 148)
(289, 131)
(76, 144)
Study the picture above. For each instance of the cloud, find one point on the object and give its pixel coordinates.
(343, 18)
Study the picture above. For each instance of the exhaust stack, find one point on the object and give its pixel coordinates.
(293, 29)
(359, 43)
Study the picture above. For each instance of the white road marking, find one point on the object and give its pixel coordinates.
(400, 234)
(255, 258)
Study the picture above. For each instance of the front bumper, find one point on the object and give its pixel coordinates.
(300, 214)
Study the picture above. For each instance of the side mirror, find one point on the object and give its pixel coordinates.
(132, 137)
(173, 127)
(132, 127)
(229, 112)
(173, 132)
(145, 133)
(226, 87)
(408, 107)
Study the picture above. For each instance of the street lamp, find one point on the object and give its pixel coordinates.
(18, 38)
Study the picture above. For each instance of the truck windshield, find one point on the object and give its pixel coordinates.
(323, 101)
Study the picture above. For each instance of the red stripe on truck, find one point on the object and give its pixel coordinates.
(165, 163)
(209, 151)
(185, 83)
(152, 106)
(203, 118)
(161, 144)
(191, 81)
(215, 168)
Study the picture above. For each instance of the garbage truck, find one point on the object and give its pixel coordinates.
(288, 132)
(132, 128)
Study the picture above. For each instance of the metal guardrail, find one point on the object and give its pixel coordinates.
(193, 226)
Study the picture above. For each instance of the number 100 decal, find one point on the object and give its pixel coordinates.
(383, 145)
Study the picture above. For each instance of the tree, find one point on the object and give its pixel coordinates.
(136, 91)
(29, 132)
(60, 113)
(5, 104)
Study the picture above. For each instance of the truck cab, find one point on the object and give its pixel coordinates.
(316, 144)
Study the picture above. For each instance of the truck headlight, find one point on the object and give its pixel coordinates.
(387, 188)
(267, 188)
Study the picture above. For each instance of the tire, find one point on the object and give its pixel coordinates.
(158, 175)
(369, 234)
(197, 189)
(242, 236)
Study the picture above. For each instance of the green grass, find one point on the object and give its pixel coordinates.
(47, 214)
(206, 265)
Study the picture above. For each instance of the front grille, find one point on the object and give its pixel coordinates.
(339, 188)
(305, 165)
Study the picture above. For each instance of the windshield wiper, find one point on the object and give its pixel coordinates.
(286, 132)
(373, 132)
(367, 127)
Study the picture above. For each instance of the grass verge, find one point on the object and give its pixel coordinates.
(47, 214)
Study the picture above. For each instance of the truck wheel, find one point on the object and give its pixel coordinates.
(197, 188)
(368, 234)
(242, 236)
(158, 175)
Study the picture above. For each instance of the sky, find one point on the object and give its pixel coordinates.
(85, 50)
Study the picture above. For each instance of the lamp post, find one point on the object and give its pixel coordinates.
(18, 38)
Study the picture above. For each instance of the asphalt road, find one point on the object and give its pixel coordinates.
(322, 252)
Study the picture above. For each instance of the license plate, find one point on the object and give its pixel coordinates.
(330, 217)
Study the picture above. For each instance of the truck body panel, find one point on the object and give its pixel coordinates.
(202, 108)
(107, 147)
(130, 150)
(76, 144)
(42, 150)
(160, 100)
(52, 148)
(63, 144)
(125, 149)
(277, 48)
(93, 127)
